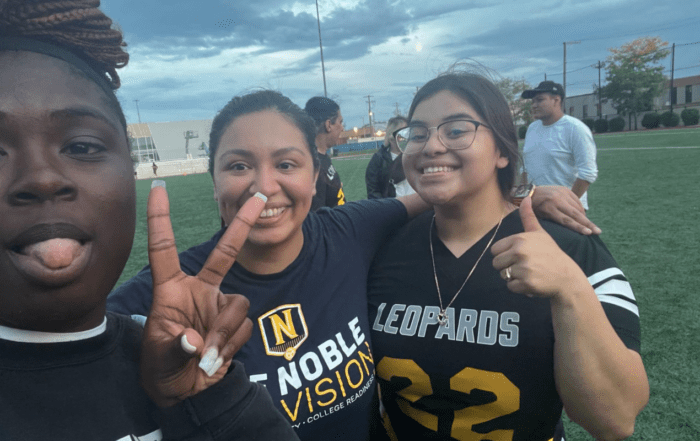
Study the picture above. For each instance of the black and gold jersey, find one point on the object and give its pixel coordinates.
(329, 188)
(488, 373)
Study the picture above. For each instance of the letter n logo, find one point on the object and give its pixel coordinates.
(283, 330)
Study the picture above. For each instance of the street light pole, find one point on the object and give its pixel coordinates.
(369, 110)
(137, 110)
(320, 44)
(563, 101)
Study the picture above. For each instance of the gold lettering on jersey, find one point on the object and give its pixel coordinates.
(280, 325)
(326, 378)
(293, 416)
(341, 196)
(505, 402)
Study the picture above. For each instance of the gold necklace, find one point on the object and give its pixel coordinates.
(442, 316)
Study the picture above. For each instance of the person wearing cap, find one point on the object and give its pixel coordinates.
(559, 149)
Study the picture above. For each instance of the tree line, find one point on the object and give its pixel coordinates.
(634, 78)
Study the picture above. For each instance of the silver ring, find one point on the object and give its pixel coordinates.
(508, 276)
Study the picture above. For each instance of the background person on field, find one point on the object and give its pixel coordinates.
(484, 320)
(559, 149)
(329, 125)
(70, 370)
(155, 169)
(384, 176)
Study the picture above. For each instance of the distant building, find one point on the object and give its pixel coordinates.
(361, 134)
(586, 106)
(686, 93)
(169, 141)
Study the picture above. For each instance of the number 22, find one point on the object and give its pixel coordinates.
(507, 398)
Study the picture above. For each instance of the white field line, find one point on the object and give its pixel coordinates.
(646, 148)
(360, 156)
(365, 156)
(663, 132)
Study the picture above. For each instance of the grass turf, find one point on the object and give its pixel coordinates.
(646, 202)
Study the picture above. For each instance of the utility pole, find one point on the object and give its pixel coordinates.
(397, 109)
(545, 76)
(670, 90)
(599, 66)
(563, 101)
(369, 109)
(137, 110)
(320, 44)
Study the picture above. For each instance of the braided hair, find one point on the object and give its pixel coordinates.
(77, 25)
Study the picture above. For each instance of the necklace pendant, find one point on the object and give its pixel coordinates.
(442, 317)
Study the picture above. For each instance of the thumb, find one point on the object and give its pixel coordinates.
(527, 216)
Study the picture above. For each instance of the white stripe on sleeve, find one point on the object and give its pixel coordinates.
(605, 274)
(619, 302)
(615, 286)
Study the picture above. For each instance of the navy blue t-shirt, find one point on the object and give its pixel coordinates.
(310, 345)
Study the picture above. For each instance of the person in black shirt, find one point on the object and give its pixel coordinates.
(329, 125)
(69, 369)
(485, 322)
(305, 273)
(384, 176)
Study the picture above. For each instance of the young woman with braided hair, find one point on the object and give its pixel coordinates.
(68, 369)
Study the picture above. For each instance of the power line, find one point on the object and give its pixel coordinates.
(586, 67)
(691, 20)
(688, 44)
(579, 69)
(683, 68)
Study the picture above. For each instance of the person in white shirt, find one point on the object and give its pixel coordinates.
(559, 149)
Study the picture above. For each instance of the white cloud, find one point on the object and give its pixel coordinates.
(184, 75)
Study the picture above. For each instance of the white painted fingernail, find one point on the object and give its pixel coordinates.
(217, 364)
(158, 183)
(186, 346)
(261, 196)
(209, 360)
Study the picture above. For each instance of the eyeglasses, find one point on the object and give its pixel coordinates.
(454, 135)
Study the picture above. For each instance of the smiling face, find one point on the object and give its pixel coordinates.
(441, 176)
(264, 152)
(67, 196)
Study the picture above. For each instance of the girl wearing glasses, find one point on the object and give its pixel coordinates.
(484, 320)
(305, 273)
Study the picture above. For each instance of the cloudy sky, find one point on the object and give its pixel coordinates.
(189, 57)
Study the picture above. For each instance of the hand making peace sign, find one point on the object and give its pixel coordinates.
(193, 329)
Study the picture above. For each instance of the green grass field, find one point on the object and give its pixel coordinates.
(645, 200)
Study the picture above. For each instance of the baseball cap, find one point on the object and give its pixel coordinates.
(544, 86)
